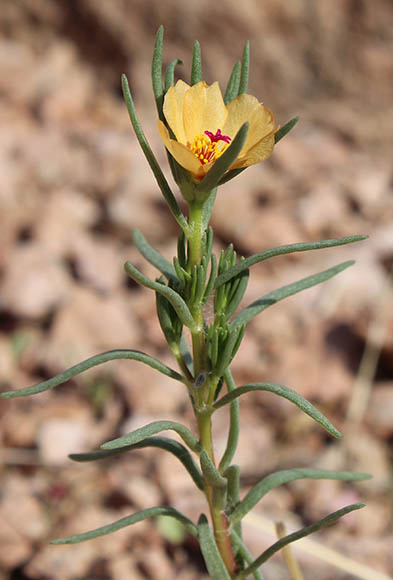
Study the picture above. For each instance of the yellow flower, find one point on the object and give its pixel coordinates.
(204, 127)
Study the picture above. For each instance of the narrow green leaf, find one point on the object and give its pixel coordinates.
(208, 208)
(231, 174)
(153, 256)
(193, 284)
(246, 555)
(156, 70)
(170, 73)
(174, 447)
(286, 476)
(230, 256)
(151, 429)
(280, 250)
(237, 296)
(234, 427)
(215, 565)
(173, 297)
(158, 174)
(219, 388)
(232, 89)
(163, 309)
(201, 282)
(128, 521)
(208, 244)
(186, 355)
(212, 277)
(196, 66)
(88, 364)
(181, 249)
(223, 163)
(286, 393)
(233, 476)
(285, 129)
(226, 353)
(182, 274)
(213, 346)
(275, 296)
(211, 474)
(242, 330)
(327, 521)
(243, 87)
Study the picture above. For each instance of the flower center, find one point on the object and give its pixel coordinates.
(208, 147)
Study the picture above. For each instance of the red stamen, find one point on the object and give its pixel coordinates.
(217, 137)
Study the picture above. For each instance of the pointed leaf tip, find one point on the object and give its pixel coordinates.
(308, 530)
(88, 364)
(286, 249)
(248, 313)
(196, 66)
(232, 89)
(245, 68)
(286, 393)
(286, 476)
(284, 130)
(128, 521)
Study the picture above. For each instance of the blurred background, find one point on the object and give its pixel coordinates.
(73, 183)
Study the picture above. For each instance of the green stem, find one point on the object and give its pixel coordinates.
(195, 242)
(215, 496)
(196, 231)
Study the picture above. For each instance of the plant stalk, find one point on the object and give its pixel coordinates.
(215, 497)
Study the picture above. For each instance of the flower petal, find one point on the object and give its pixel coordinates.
(240, 110)
(164, 134)
(204, 110)
(259, 152)
(247, 108)
(186, 158)
(180, 152)
(173, 109)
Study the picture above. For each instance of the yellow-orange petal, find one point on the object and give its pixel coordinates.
(180, 152)
(164, 134)
(173, 109)
(240, 110)
(186, 158)
(259, 152)
(204, 110)
(247, 108)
